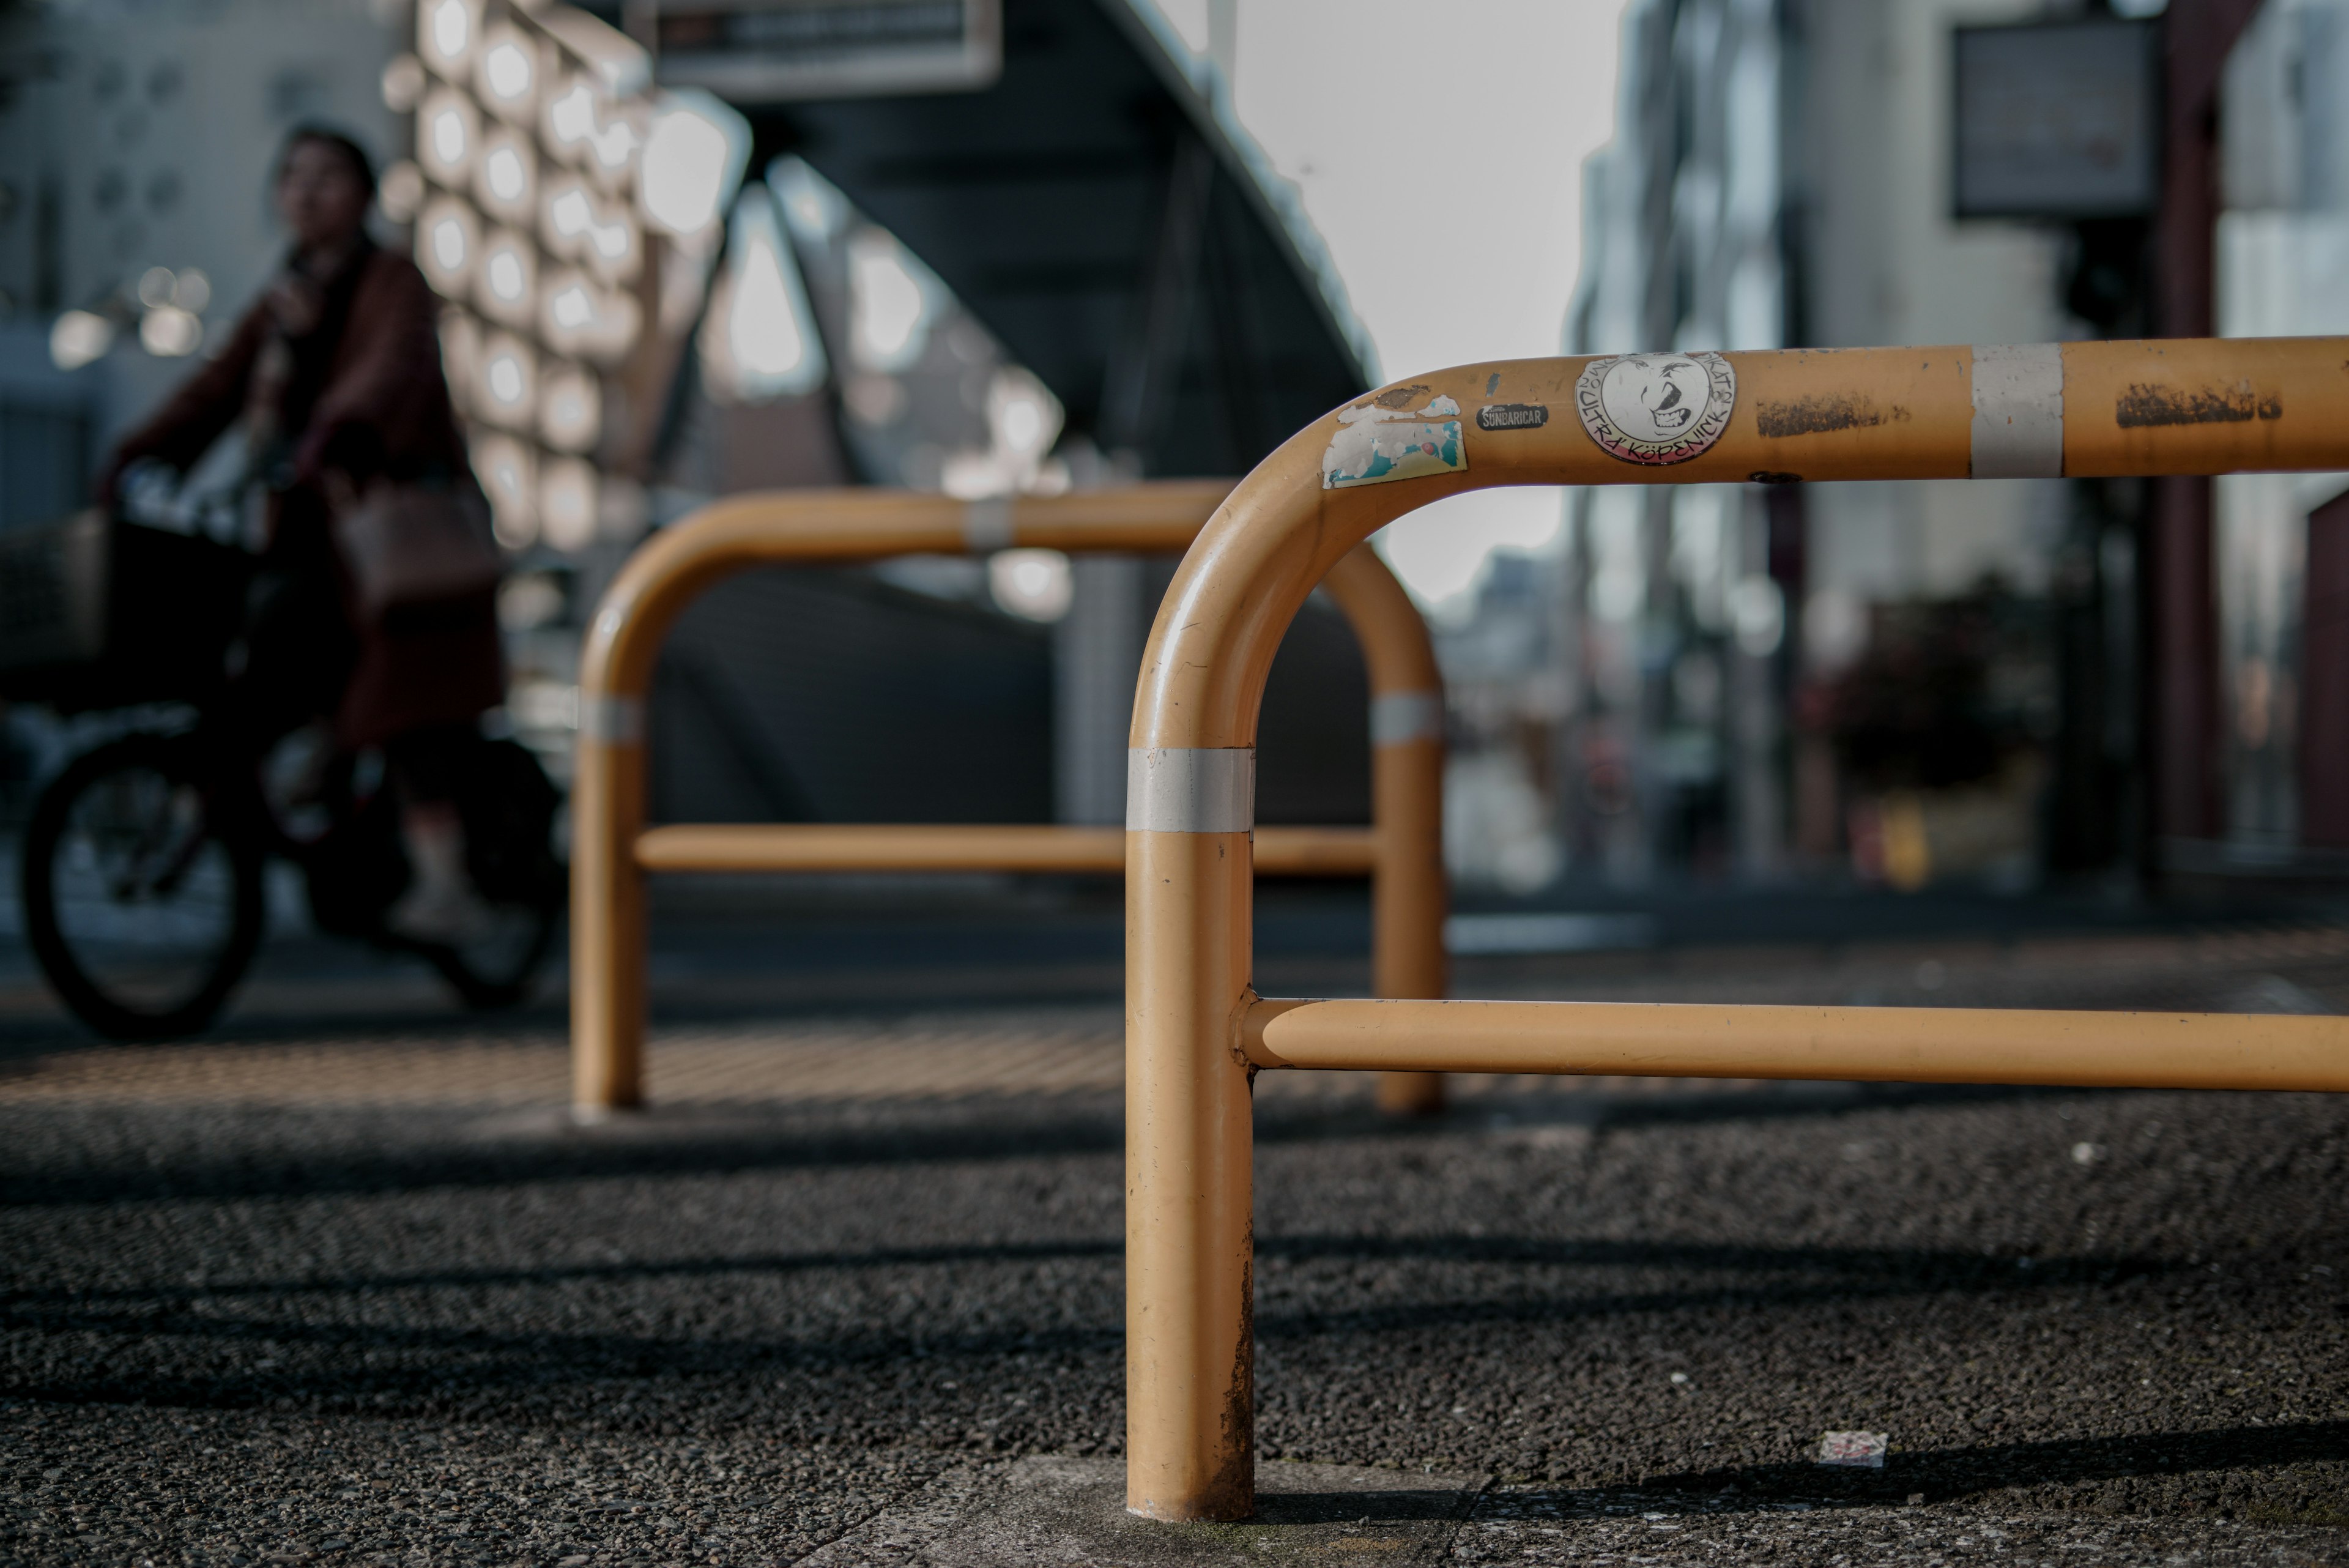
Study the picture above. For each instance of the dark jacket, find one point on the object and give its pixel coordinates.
(373, 359)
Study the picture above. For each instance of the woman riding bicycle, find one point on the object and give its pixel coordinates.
(335, 371)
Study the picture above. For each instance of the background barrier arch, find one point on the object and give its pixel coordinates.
(613, 850)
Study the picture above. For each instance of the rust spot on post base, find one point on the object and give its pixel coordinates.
(1232, 1493)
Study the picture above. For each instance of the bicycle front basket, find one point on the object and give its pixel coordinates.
(95, 612)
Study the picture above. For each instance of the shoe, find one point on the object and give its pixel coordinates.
(440, 906)
(439, 915)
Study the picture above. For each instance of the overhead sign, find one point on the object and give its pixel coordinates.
(2059, 120)
(776, 51)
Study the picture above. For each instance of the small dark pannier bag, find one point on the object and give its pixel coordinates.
(95, 612)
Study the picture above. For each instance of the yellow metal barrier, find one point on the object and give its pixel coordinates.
(612, 849)
(858, 846)
(1196, 1035)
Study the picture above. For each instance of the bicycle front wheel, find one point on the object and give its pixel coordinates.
(141, 913)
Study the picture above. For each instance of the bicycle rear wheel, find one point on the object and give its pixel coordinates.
(141, 913)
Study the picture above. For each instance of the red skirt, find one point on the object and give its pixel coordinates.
(439, 663)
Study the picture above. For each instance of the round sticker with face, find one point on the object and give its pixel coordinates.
(1656, 409)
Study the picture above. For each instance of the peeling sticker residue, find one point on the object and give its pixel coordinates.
(1656, 409)
(1386, 439)
(1823, 414)
(2142, 406)
(1492, 383)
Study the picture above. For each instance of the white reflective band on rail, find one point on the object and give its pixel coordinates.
(2018, 393)
(614, 720)
(987, 524)
(1398, 718)
(1190, 789)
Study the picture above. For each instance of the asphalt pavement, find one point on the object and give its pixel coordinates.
(341, 1285)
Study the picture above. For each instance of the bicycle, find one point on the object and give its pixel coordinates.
(141, 870)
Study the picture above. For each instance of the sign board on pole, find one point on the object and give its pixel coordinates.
(776, 51)
(2058, 121)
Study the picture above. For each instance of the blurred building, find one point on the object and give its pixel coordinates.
(1506, 667)
(1672, 755)
(135, 150)
(2282, 542)
(1997, 682)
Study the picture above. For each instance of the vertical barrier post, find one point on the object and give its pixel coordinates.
(608, 904)
(607, 804)
(1190, 1342)
(1190, 1345)
(1408, 895)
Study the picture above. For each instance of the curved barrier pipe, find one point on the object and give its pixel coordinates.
(1196, 1035)
(611, 850)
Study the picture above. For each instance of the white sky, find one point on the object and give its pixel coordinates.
(1439, 149)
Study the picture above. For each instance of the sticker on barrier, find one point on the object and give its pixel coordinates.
(1386, 439)
(1512, 416)
(1656, 409)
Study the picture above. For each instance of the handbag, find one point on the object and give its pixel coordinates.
(415, 543)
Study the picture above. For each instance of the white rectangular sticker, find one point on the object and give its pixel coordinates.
(1399, 718)
(614, 721)
(2018, 396)
(986, 525)
(1190, 789)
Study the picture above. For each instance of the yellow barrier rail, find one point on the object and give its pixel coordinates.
(1196, 1034)
(854, 846)
(613, 850)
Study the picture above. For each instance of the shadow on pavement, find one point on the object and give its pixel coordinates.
(1921, 1269)
(356, 1362)
(1940, 1474)
(272, 1156)
(1294, 1508)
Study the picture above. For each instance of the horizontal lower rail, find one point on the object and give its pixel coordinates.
(933, 846)
(1877, 1044)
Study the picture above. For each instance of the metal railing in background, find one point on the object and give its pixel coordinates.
(1197, 1033)
(613, 850)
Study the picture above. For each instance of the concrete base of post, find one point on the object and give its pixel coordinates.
(1030, 1512)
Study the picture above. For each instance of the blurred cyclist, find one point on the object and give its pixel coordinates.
(335, 372)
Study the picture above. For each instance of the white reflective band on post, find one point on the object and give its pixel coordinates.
(2019, 412)
(1398, 718)
(1190, 789)
(987, 524)
(614, 720)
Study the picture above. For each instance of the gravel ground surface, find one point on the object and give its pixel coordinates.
(2096, 1328)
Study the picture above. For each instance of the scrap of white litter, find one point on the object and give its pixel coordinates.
(1861, 1448)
